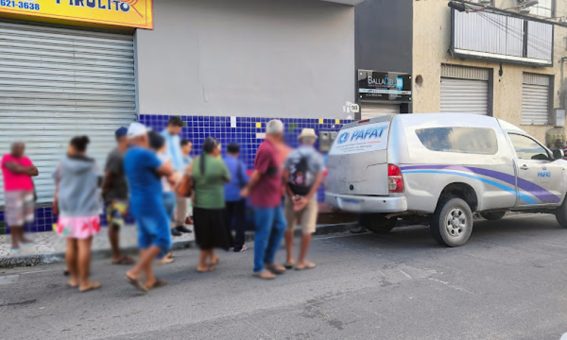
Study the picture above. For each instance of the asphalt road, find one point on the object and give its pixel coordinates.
(508, 282)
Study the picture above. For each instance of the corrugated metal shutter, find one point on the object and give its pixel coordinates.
(371, 110)
(464, 89)
(57, 83)
(535, 99)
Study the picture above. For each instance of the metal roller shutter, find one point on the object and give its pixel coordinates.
(464, 90)
(535, 99)
(371, 110)
(57, 83)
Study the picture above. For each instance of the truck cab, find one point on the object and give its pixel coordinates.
(442, 168)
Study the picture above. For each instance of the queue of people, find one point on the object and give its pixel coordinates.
(141, 178)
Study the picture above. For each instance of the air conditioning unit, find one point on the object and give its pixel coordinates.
(524, 6)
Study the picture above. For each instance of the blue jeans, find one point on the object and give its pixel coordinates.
(270, 228)
(169, 201)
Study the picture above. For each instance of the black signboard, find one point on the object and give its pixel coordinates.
(384, 86)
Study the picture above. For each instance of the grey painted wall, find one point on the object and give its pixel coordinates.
(384, 35)
(280, 58)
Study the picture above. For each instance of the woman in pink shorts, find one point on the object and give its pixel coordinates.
(79, 201)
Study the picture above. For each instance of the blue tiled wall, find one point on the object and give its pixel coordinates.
(200, 127)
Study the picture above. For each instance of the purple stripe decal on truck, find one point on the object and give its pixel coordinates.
(541, 193)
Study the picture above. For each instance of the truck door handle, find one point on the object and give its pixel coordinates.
(524, 167)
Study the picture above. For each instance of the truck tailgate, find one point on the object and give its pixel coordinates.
(358, 161)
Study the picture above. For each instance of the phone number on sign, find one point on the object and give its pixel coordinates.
(19, 4)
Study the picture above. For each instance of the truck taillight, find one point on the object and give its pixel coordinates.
(395, 179)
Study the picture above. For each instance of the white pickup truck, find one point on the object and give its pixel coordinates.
(442, 168)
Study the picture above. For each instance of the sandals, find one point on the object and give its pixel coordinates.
(158, 284)
(265, 275)
(137, 284)
(123, 261)
(289, 265)
(277, 269)
(92, 286)
(306, 266)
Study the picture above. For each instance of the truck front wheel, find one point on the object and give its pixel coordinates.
(561, 214)
(452, 222)
(377, 223)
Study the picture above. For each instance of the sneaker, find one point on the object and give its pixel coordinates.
(175, 232)
(265, 275)
(183, 229)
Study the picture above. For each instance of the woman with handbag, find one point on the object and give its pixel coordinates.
(209, 176)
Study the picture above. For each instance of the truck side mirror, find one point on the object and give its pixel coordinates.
(558, 154)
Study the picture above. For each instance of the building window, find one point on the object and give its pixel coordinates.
(544, 8)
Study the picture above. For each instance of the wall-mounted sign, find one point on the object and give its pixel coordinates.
(384, 86)
(124, 13)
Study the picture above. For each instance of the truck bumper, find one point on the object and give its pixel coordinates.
(367, 204)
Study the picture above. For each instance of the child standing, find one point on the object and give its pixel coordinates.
(77, 181)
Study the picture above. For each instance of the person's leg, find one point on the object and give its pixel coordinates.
(29, 215)
(240, 224)
(181, 214)
(230, 220)
(308, 224)
(263, 219)
(289, 232)
(84, 264)
(71, 260)
(147, 264)
(278, 225)
(203, 265)
(15, 233)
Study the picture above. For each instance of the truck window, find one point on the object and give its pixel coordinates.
(459, 139)
(527, 148)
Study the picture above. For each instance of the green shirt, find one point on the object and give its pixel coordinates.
(209, 186)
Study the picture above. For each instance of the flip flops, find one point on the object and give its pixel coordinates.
(92, 286)
(136, 284)
(123, 261)
(305, 266)
(158, 284)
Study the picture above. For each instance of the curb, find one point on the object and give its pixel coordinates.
(41, 259)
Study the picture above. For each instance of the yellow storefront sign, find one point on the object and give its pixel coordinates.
(122, 13)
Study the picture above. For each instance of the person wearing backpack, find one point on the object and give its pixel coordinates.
(235, 203)
(303, 175)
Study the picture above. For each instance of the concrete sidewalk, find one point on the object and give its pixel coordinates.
(48, 247)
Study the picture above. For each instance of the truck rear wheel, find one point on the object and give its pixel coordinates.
(561, 214)
(377, 223)
(452, 222)
(493, 216)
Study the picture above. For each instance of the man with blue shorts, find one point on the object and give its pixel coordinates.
(143, 171)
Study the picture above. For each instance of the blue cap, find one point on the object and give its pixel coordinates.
(121, 132)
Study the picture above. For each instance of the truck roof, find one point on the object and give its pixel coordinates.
(465, 119)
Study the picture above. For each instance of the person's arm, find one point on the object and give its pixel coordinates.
(20, 169)
(165, 169)
(288, 190)
(261, 166)
(256, 175)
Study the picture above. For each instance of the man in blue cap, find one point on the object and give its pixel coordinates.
(115, 195)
